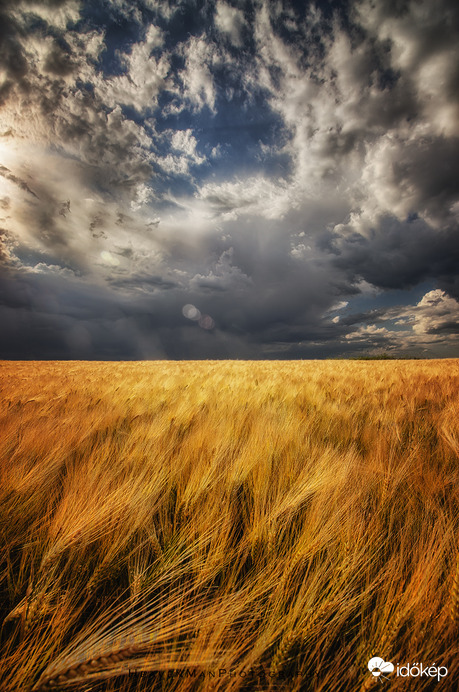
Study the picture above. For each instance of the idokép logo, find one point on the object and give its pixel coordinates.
(380, 668)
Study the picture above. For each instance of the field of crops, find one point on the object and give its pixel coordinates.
(228, 525)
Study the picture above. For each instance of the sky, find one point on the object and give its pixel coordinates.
(205, 179)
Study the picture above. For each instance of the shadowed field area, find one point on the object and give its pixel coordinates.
(228, 525)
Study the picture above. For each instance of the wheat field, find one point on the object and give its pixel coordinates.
(228, 525)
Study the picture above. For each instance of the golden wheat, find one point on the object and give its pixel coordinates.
(455, 596)
(227, 525)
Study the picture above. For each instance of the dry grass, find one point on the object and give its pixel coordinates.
(281, 521)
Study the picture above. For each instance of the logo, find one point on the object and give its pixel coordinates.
(379, 667)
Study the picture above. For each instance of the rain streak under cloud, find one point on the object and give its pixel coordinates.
(229, 179)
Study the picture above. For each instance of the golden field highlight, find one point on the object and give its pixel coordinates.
(227, 525)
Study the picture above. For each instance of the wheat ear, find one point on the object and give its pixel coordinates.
(388, 638)
(385, 488)
(82, 670)
(280, 657)
(255, 550)
(271, 541)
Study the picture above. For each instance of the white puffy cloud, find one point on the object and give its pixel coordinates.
(58, 15)
(145, 75)
(433, 322)
(371, 118)
(423, 47)
(230, 21)
(255, 195)
(370, 330)
(224, 276)
(184, 154)
(196, 79)
(184, 141)
(434, 316)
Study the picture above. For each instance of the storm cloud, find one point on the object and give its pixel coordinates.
(288, 169)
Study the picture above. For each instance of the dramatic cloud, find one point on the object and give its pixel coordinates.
(288, 171)
(432, 322)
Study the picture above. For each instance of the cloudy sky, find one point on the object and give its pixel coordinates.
(229, 179)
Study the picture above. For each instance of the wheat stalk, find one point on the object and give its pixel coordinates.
(454, 602)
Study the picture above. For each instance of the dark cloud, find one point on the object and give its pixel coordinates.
(12, 58)
(73, 320)
(445, 328)
(398, 255)
(59, 61)
(268, 163)
(427, 171)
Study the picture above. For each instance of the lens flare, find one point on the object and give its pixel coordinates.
(191, 312)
